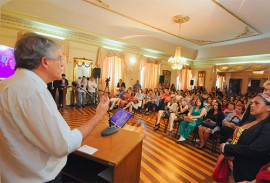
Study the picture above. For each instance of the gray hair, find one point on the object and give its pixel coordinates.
(30, 49)
(266, 83)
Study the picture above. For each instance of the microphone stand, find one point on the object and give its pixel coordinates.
(111, 129)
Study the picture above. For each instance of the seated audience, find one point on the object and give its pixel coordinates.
(122, 102)
(152, 102)
(170, 107)
(136, 101)
(137, 86)
(197, 112)
(224, 105)
(250, 147)
(182, 110)
(116, 98)
(246, 116)
(214, 117)
(230, 109)
(231, 122)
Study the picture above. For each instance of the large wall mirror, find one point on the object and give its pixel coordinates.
(81, 67)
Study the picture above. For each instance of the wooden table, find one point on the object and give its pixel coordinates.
(118, 157)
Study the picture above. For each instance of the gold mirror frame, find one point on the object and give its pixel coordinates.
(81, 64)
(201, 78)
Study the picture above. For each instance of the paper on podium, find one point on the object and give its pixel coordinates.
(87, 149)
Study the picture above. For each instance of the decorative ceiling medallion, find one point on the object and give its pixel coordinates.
(180, 19)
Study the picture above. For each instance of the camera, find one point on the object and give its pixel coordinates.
(108, 79)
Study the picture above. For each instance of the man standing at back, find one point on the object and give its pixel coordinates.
(92, 90)
(62, 86)
(35, 138)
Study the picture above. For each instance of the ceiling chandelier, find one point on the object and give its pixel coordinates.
(177, 62)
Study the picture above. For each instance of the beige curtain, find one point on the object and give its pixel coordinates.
(221, 78)
(185, 77)
(112, 65)
(149, 68)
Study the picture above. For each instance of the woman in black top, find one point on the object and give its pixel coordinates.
(250, 147)
(214, 116)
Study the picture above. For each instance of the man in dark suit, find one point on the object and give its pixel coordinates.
(62, 86)
(121, 84)
(52, 87)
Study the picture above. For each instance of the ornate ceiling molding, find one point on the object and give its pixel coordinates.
(24, 23)
(247, 29)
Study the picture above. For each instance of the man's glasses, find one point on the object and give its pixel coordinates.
(61, 59)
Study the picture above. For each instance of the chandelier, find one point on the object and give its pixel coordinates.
(177, 62)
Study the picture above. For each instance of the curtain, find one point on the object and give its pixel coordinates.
(149, 72)
(221, 81)
(112, 66)
(185, 77)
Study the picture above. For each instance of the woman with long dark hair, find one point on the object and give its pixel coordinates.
(197, 112)
(214, 119)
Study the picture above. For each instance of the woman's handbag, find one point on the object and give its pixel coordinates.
(189, 119)
(222, 169)
(264, 174)
(208, 124)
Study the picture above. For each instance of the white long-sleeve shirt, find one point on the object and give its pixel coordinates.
(34, 137)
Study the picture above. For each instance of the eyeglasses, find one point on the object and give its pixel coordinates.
(61, 59)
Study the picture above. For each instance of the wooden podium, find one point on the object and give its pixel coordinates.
(118, 158)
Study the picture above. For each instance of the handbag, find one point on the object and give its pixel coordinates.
(264, 174)
(222, 170)
(189, 119)
(208, 124)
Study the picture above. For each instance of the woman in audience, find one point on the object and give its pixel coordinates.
(231, 122)
(197, 113)
(182, 110)
(127, 96)
(250, 147)
(215, 117)
(170, 107)
(178, 95)
(207, 103)
(230, 109)
(152, 103)
(136, 101)
(247, 117)
(172, 88)
(224, 105)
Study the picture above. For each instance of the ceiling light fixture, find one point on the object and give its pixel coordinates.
(177, 62)
(258, 72)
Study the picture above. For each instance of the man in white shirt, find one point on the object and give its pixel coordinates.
(81, 83)
(92, 90)
(35, 138)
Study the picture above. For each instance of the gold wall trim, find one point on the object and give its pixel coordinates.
(23, 23)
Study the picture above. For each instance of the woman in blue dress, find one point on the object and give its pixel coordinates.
(197, 113)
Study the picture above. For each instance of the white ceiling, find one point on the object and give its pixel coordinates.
(217, 28)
